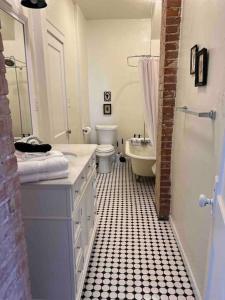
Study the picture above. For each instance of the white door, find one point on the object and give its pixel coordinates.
(215, 289)
(57, 91)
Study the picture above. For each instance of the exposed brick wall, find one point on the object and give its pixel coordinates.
(14, 282)
(169, 45)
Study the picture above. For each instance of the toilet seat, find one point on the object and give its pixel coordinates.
(105, 150)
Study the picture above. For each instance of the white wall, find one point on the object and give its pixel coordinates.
(197, 142)
(109, 44)
(156, 27)
(156, 20)
(83, 93)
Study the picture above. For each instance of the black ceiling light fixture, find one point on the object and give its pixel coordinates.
(37, 4)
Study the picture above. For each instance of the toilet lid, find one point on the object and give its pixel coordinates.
(105, 148)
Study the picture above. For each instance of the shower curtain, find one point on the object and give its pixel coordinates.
(149, 73)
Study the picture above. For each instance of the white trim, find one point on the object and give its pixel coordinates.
(39, 60)
(52, 30)
(78, 55)
(186, 261)
(13, 10)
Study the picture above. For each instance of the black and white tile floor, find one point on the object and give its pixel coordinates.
(134, 256)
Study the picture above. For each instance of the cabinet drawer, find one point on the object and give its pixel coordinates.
(91, 165)
(75, 198)
(79, 185)
(93, 158)
(78, 243)
(78, 255)
(89, 170)
(79, 269)
(76, 229)
(76, 218)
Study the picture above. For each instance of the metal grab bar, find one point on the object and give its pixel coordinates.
(211, 114)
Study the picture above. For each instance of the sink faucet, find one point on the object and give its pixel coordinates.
(145, 141)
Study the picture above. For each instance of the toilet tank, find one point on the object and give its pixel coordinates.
(106, 134)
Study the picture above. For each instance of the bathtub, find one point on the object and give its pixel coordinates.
(142, 159)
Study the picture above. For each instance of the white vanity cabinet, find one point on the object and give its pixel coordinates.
(60, 219)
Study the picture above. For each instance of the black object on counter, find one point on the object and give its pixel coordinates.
(122, 158)
(25, 147)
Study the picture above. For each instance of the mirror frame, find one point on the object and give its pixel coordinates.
(16, 12)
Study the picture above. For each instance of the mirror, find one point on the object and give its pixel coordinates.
(16, 74)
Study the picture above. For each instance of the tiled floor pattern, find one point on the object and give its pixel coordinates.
(134, 256)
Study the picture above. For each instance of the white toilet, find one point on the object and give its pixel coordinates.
(106, 137)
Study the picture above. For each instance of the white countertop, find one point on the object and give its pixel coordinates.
(83, 154)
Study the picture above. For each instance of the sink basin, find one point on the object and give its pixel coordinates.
(71, 157)
(69, 154)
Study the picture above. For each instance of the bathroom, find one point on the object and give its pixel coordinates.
(124, 219)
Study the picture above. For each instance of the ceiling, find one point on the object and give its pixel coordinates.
(116, 9)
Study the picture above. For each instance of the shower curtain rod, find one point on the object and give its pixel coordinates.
(135, 56)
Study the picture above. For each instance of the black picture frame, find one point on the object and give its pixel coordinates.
(193, 55)
(107, 96)
(107, 109)
(201, 68)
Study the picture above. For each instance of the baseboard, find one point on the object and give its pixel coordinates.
(186, 261)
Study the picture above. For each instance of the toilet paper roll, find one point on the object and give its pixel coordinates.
(86, 130)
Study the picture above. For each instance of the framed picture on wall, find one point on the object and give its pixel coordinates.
(107, 109)
(201, 70)
(193, 54)
(107, 96)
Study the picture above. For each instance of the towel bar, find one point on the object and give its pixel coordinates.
(211, 114)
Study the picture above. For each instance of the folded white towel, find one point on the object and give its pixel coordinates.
(27, 156)
(43, 176)
(50, 164)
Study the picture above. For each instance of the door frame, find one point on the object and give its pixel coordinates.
(41, 26)
(59, 36)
